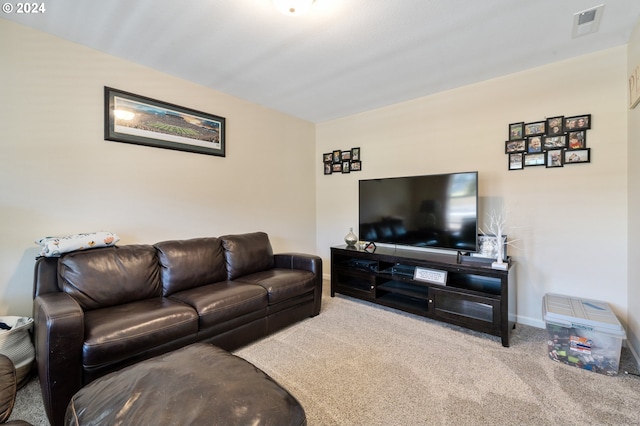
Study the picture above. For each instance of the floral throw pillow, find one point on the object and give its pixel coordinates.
(56, 246)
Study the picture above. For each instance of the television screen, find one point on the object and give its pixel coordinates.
(432, 211)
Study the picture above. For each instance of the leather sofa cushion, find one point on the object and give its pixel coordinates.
(220, 302)
(123, 331)
(110, 276)
(282, 284)
(247, 253)
(190, 263)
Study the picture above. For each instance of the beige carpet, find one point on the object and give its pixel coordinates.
(360, 364)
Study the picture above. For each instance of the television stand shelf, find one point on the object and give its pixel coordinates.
(473, 295)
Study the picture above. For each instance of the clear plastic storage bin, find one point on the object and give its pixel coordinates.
(583, 333)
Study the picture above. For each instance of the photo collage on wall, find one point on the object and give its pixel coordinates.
(554, 142)
(340, 161)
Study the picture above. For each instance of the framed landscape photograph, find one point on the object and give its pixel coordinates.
(516, 131)
(577, 156)
(327, 158)
(140, 120)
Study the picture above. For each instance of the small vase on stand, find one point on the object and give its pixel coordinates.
(351, 239)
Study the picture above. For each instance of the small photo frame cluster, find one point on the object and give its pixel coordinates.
(342, 161)
(554, 142)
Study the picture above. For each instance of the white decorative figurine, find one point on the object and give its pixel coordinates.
(497, 225)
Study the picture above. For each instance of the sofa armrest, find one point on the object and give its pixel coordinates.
(59, 331)
(306, 262)
(45, 277)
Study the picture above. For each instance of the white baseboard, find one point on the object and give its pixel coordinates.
(532, 322)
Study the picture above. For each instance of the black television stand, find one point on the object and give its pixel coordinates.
(439, 286)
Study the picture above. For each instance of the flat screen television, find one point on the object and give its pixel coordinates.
(431, 211)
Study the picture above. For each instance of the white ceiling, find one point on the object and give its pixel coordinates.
(345, 56)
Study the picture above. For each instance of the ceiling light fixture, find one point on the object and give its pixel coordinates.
(293, 7)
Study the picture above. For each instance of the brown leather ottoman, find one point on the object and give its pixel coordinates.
(8, 389)
(199, 384)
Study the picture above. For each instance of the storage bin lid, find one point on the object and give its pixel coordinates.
(572, 312)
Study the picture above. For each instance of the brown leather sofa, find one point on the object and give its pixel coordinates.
(99, 310)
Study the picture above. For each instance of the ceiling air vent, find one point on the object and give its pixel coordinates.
(587, 21)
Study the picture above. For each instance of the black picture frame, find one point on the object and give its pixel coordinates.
(337, 156)
(141, 120)
(356, 166)
(577, 156)
(535, 128)
(534, 144)
(554, 158)
(554, 142)
(346, 166)
(336, 167)
(516, 131)
(555, 125)
(577, 139)
(519, 145)
(534, 159)
(327, 168)
(516, 161)
(346, 155)
(355, 154)
(327, 157)
(577, 122)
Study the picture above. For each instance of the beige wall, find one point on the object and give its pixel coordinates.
(58, 175)
(633, 327)
(570, 223)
